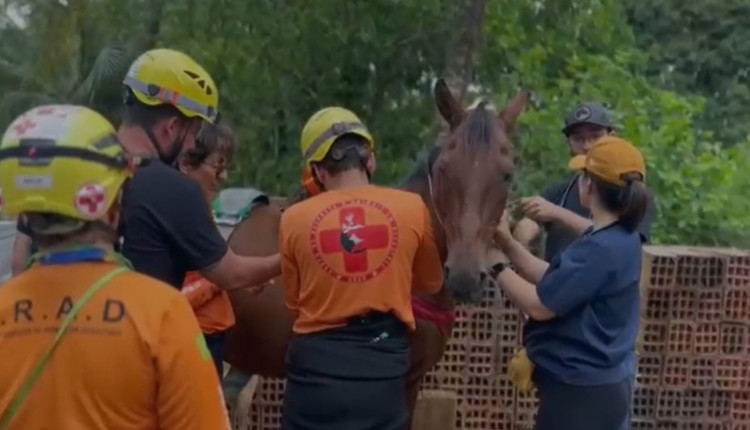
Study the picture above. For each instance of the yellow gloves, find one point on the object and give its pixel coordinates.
(520, 369)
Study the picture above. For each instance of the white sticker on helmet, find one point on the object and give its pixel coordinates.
(33, 182)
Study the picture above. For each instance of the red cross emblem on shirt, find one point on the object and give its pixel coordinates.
(90, 199)
(353, 240)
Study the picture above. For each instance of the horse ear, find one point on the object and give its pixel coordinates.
(510, 114)
(450, 109)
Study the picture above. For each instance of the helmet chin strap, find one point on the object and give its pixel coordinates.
(169, 159)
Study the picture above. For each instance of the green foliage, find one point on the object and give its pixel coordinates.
(278, 61)
(707, 52)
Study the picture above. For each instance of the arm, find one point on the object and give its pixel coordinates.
(427, 267)
(571, 220)
(187, 219)
(198, 290)
(526, 231)
(289, 270)
(189, 395)
(529, 266)
(583, 269)
(524, 295)
(235, 271)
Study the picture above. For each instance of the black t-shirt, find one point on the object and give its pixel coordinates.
(167, 227)
(565, 194)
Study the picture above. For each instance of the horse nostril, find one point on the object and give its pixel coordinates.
(446, 272)
(482, 276)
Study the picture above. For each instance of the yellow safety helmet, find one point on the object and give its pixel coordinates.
(61, 159)
(166, 76)
(324, 127)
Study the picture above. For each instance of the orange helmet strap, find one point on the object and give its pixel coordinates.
(310, 183)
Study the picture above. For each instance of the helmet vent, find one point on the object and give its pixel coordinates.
(191, 74)
(200, 81)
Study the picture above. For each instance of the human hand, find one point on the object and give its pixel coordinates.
(503, 235)
(257, 289)
(539, 209)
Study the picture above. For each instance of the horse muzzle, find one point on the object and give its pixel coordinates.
(464, 285)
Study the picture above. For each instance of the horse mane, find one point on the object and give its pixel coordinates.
(425, 160)
(479, 129)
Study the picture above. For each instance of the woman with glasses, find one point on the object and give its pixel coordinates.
(207, 164)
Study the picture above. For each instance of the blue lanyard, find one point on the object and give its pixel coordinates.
(78, 254)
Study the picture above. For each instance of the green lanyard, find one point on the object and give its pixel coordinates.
(25, 388)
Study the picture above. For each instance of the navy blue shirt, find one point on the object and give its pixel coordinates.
(592, 288)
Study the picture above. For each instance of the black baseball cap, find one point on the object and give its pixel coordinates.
(588, 113)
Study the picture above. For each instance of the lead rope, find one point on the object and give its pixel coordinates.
(25, 389)
(432, 199)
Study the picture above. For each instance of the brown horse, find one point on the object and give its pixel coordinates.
(465, 183)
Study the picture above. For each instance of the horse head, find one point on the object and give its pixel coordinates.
(470, 181)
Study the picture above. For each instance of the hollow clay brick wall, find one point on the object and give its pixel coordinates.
(694, 351)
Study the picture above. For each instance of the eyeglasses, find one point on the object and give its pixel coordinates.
(584, 138)
(219, 167)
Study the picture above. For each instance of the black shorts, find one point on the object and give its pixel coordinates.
(575, 407)
(346, 378)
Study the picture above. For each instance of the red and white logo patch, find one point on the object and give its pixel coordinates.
(90, 200)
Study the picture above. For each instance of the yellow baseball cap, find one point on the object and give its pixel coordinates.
(609, 159)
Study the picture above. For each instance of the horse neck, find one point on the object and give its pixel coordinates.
(423, 188)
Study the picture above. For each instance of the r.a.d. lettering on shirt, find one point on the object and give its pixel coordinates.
(110, 311)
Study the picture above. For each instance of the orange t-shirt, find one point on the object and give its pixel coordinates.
(347, 252)
(134, 358)
(209, 302)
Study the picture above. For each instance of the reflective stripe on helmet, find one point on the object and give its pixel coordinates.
(171, 97)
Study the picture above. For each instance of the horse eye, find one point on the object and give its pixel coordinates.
(507, 178)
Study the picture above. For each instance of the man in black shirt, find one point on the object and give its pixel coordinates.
(558, 209)
(167, 227)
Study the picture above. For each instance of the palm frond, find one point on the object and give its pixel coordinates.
(15, 103)
(106, 74)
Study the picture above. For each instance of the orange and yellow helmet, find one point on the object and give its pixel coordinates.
(166, 76)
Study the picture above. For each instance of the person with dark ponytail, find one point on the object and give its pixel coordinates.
(583, 306)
